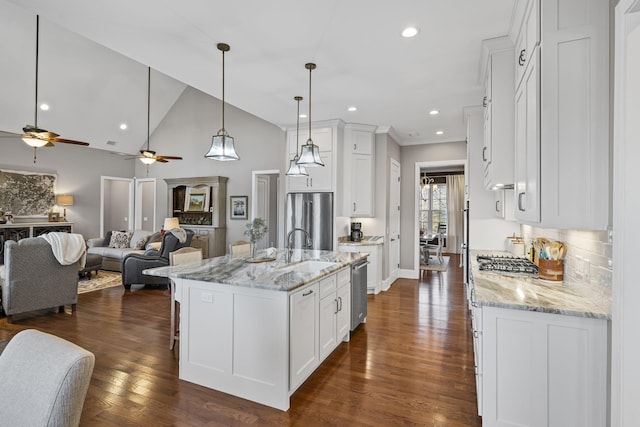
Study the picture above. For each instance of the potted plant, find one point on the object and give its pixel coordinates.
(255, 231)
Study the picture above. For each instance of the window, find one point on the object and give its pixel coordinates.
(433, 203)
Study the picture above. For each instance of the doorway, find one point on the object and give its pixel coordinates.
(266, 196)
(127, 204)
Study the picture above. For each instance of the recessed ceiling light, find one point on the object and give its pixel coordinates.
(123, 126)
(303, 116)
(352, 108)
(440, 132)
(44, 107)
(410, 32)
(434, 112)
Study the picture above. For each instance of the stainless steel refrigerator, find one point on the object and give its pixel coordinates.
(312, 212)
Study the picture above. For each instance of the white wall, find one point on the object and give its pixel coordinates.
(187, 130)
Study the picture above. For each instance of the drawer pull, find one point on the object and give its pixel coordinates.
(306, 294)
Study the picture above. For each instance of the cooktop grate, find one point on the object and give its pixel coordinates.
(507, 264)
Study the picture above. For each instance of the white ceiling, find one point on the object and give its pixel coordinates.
(362, 60)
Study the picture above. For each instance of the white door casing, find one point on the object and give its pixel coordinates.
(394, 220)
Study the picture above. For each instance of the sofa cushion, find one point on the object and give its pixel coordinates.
(139, 239)
(120, 239)
(117, 253)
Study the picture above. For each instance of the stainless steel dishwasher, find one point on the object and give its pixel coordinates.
(358, 292)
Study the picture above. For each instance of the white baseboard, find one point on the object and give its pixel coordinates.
(408, 274)
(386, 283)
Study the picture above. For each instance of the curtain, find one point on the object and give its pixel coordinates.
(455, 205)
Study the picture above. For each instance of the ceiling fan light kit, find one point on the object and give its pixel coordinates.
(294, 168)
(310, 155)
(222, 146)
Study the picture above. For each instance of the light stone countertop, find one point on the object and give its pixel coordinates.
(272, 275)
(366, 241)
(531, 294)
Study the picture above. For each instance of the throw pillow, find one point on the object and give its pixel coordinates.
(120, 239)
(141, 243)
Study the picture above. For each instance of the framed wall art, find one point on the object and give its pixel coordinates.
(239, 207)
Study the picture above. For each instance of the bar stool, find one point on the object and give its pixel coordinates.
(185, 255)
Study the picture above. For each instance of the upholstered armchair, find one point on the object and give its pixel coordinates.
(134, 264)
(33, 279)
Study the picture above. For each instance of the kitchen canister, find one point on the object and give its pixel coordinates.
(551, 270)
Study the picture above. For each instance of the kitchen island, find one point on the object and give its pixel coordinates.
(540, 350)
(257, 330)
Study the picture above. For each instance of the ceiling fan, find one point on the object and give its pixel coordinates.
(149, 156)
(33, 135)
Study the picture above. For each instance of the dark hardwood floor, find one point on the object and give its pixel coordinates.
(410, 364)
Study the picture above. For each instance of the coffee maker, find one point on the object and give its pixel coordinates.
(356, 231)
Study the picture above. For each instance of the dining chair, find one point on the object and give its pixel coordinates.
(186, 255)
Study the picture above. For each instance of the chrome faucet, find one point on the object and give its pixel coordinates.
(308, 242)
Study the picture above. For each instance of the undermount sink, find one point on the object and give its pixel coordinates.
(310, 266)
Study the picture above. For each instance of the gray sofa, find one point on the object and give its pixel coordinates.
(112, 257)
(33, 279)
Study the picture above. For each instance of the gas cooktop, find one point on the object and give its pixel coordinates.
(507, 264)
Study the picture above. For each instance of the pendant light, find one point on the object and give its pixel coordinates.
(310, 155)
(294, 168)
(222, 144)
(148, 157)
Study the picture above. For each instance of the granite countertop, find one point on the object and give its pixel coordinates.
(273, 275)
(366, 240)
(529, 293)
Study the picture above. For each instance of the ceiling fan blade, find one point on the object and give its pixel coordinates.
(158, 159)
(49, 144)
(169, 157)
(5, 134)
(69, 141)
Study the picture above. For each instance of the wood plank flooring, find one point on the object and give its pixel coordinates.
(410, 364)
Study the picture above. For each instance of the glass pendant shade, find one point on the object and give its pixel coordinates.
(147, 160)
(34, 142)
(295, 169)
(222, 148)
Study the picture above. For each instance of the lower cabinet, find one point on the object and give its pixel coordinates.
(374, 269)
(335, 314)
(303, 332)
(541, 369)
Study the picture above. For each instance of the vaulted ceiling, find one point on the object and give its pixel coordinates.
(94, 54)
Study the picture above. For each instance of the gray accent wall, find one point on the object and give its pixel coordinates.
(410, 155)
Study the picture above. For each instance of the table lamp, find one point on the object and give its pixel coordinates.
(64, 200)
(170, 223)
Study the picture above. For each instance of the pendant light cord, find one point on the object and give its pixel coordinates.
(310, 68)
(37, 60)
(223, 129)
(148, 105)
(298, 99)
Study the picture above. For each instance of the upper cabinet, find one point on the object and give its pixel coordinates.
(328, 137)
(358, 178)
(562, 114)
(497, 150)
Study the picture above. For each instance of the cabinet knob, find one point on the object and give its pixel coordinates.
(484, 150)
(355, 147)
(522, 56)
(484, 101)
(354, 206)
(497, 205)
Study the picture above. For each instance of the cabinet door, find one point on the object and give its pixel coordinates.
(360, 141)
(361, 185)
(343, 320)
(528, 39)
(328, 311)
(527, 149)
(322, 137)
(303, 330)
(486, 143)
(319, 179)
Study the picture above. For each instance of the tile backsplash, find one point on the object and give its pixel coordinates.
(587, 265)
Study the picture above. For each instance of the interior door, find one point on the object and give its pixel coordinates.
(116, 203)
(262, 205)
(145, 204)
(394, 220)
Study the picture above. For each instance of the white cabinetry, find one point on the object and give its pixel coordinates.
(480, 200)
(358, 178)
(541, 369)
(497, 151)
(335, 305)
(303, 334)
(562, 114)
(374, 268)
(328, 137)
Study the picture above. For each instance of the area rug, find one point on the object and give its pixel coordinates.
(434, 265)
(104, 279)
